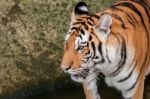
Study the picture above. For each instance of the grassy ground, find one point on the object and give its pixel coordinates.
(31, 40)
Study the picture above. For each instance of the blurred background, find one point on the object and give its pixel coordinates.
(31, 44)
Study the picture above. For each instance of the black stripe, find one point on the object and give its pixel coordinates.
(82, 32)
(115, 35)
(75, 23)
(130, 19)
(100, 48)
(133, 8)
(85, 73)
(131, 22)
(146, 3)
(107, 56)
(129, 73)
(91, 20)
(96, 16)
(133, 86)
(87, 58)
(140, 15)
(85, 25)
(80, 37)
(87, 44)
(100, 51)
(85, 17)
(134, 19)
(82, 75)
(145, 8)
(84, 42)
(122, 61)
(126, 78)
(74, 28)
(143, 65)
(79, 19)
(119, 19)
(93, 46)
(147, 12)
(90, 38)
(89, 23)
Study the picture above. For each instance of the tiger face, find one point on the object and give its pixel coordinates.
(83, 43)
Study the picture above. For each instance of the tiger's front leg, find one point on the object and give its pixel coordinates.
(91, 88)
(136, 91)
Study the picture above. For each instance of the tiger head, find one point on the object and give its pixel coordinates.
(84, 41)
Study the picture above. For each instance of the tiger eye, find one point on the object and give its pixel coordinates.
(80, 47)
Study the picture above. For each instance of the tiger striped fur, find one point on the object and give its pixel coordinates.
(114, 42)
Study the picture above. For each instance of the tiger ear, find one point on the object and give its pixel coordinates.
(80, 9)
(104, 26)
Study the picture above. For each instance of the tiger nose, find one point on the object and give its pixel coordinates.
(65, 68)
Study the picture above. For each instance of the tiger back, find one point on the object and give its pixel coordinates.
(114, 42)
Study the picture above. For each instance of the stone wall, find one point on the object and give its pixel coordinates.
(31, 40)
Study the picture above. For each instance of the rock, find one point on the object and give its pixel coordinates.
(31, 43)
(29, 55)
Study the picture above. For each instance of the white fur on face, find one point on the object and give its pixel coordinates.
(85, 38)
(79, 79)
(67, 36)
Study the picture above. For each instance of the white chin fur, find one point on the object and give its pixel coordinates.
(77, 79)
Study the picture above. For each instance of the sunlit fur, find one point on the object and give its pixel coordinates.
(114, 42)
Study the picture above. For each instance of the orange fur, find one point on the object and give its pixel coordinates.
(131, 25)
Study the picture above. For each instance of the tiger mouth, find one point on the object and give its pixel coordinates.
(83, 74)
(76, 75)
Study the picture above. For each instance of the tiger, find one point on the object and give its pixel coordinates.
(114, 42)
